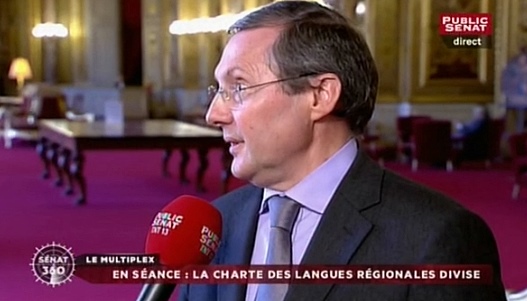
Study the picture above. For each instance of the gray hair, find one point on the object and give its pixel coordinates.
(315, 39)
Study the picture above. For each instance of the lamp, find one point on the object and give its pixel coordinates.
(20, 70)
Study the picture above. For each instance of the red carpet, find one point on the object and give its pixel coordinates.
(125, 190)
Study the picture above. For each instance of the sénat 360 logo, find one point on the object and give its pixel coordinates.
(53, 264)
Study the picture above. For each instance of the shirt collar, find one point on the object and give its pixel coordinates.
(315, 191)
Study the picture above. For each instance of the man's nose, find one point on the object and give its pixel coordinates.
(218, 113)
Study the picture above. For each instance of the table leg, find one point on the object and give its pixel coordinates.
(203, 165)
(42, 148)
(226, 160)
(185, 158)
(64, 163)
(167, 154)
(52, 155)
(77, 174)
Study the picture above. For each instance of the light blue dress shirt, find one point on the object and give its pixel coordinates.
(313, 193)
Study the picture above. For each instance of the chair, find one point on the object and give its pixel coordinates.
(518, 151)
(432, 143)
(24, 124)
(482, 145)
(404, 127)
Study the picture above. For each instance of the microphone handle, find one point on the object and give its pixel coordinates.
(156, 292)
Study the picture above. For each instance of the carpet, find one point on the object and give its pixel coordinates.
(126, 189)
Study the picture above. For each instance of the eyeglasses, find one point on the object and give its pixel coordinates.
(234, 95)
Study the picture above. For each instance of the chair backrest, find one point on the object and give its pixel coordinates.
(48, 107)
(27, 105)
(484, 141)
(517, 144)
(405, 124)
(432, 140)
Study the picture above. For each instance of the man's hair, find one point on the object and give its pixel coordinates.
(315, 39)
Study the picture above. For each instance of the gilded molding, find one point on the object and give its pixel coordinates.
(449, 75)
(33, 10)
(501, 47)
(384, 36)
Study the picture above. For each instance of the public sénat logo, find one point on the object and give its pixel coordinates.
(53, 264)
(466, 30)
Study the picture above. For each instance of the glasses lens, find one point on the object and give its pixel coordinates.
(237, 96)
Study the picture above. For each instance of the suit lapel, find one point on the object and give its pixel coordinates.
(241, 234)
(342, 227)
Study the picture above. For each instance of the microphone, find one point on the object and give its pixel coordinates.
(187, 231)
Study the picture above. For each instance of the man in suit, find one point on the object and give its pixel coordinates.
(296, 87)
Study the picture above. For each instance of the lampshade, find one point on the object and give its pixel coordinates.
(20, 70)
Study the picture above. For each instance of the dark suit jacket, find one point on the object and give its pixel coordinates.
(375, 217)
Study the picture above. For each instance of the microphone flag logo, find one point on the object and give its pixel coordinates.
(53, 264)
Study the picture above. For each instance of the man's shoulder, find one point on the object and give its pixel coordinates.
(427, 225)
(381, 193)
(236, 197)
(397, 186)
(406, 198)
(385, 188)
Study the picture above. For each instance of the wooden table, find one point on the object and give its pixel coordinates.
(62, 144)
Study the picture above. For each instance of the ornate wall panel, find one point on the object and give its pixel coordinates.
(102, 42)
(380, 26)
(16, 19)
(385, 33)
(520, 27)
(68, 52)
(77, 36)
(208, 44)
(54, 61)
(441, 74)
(413, 63)
(156, 54)
(189, 51)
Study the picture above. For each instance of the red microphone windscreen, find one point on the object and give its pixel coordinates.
(185, 232)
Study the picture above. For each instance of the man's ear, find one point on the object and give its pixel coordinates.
(327, 89)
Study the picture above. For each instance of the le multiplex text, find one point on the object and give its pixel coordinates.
(121, 259)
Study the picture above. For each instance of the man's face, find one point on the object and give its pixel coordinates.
(269, 131)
